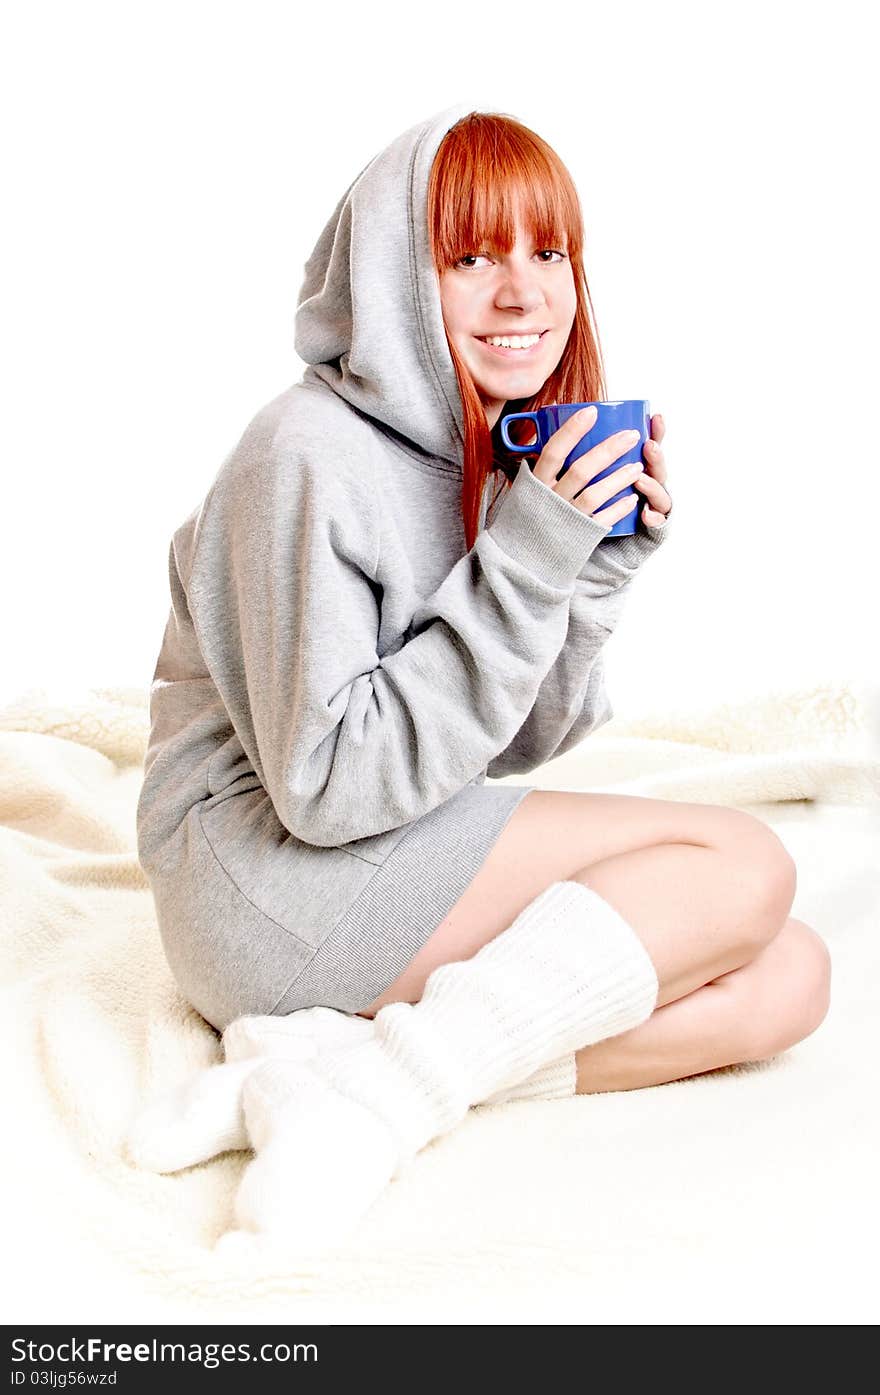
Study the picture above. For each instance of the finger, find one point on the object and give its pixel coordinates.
(583, 472)
(562, 442)
(613, 513)
(652, 519)
(658, 427)
(655, 460)
(654, 492)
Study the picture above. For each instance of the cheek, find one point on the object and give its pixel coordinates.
(454, 319)
(567, 300)
(453, 301)
(461, 309)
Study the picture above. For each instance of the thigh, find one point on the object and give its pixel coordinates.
(551, 835)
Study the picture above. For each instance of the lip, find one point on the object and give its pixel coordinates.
(512, 353)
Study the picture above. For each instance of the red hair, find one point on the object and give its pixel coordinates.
(487, 166)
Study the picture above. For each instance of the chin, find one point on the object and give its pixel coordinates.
(515, 386)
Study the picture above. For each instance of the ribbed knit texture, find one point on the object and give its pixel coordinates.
(311, 1030)
(555, 1081)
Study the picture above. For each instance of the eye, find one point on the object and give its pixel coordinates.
(471, 256)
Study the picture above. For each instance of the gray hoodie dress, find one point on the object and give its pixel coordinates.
(339, 674)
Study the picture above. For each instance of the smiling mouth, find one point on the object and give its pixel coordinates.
(512, 352)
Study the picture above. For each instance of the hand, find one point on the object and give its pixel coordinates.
(573, 481)
(651, 483)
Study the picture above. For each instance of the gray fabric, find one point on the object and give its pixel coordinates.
(338, 674)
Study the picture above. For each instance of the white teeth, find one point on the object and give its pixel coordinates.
(514, 341)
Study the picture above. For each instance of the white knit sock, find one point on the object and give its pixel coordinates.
(286, 1108)
(205, 1115)
(296, 1035)
(569, 971)
(309, 1141)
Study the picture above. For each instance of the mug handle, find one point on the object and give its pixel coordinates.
(520, 416)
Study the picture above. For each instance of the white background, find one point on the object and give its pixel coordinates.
(170, 167)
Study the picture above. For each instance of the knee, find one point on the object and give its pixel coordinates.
(766, 876)
(801, 995)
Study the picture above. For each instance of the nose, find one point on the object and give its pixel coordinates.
(520, 290)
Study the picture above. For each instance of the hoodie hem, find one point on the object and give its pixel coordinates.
(405, 902)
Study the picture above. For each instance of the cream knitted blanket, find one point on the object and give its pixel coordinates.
(745, 1195)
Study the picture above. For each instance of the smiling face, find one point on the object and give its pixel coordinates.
(525, 291)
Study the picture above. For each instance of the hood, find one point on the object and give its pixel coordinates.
(391, 359)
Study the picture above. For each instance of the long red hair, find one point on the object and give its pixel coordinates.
(488, 164)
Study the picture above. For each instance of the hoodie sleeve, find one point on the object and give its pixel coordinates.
(573, 701)
(347, 742)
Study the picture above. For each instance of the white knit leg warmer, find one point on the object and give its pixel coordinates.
(330, 1132)
(308, 1031)
(555, 1081)
(205, 1115)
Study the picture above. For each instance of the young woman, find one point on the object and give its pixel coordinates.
(707, 888)
(358, 637)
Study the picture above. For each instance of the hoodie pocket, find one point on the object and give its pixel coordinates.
(304, 889)
(226, 955)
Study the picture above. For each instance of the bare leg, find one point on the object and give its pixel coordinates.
(699, 911)
(751, 1013)
(704, 887)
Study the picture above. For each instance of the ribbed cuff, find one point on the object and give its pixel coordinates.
(543, 531)
(619, 560)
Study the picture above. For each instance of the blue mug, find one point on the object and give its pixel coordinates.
(629, 414)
